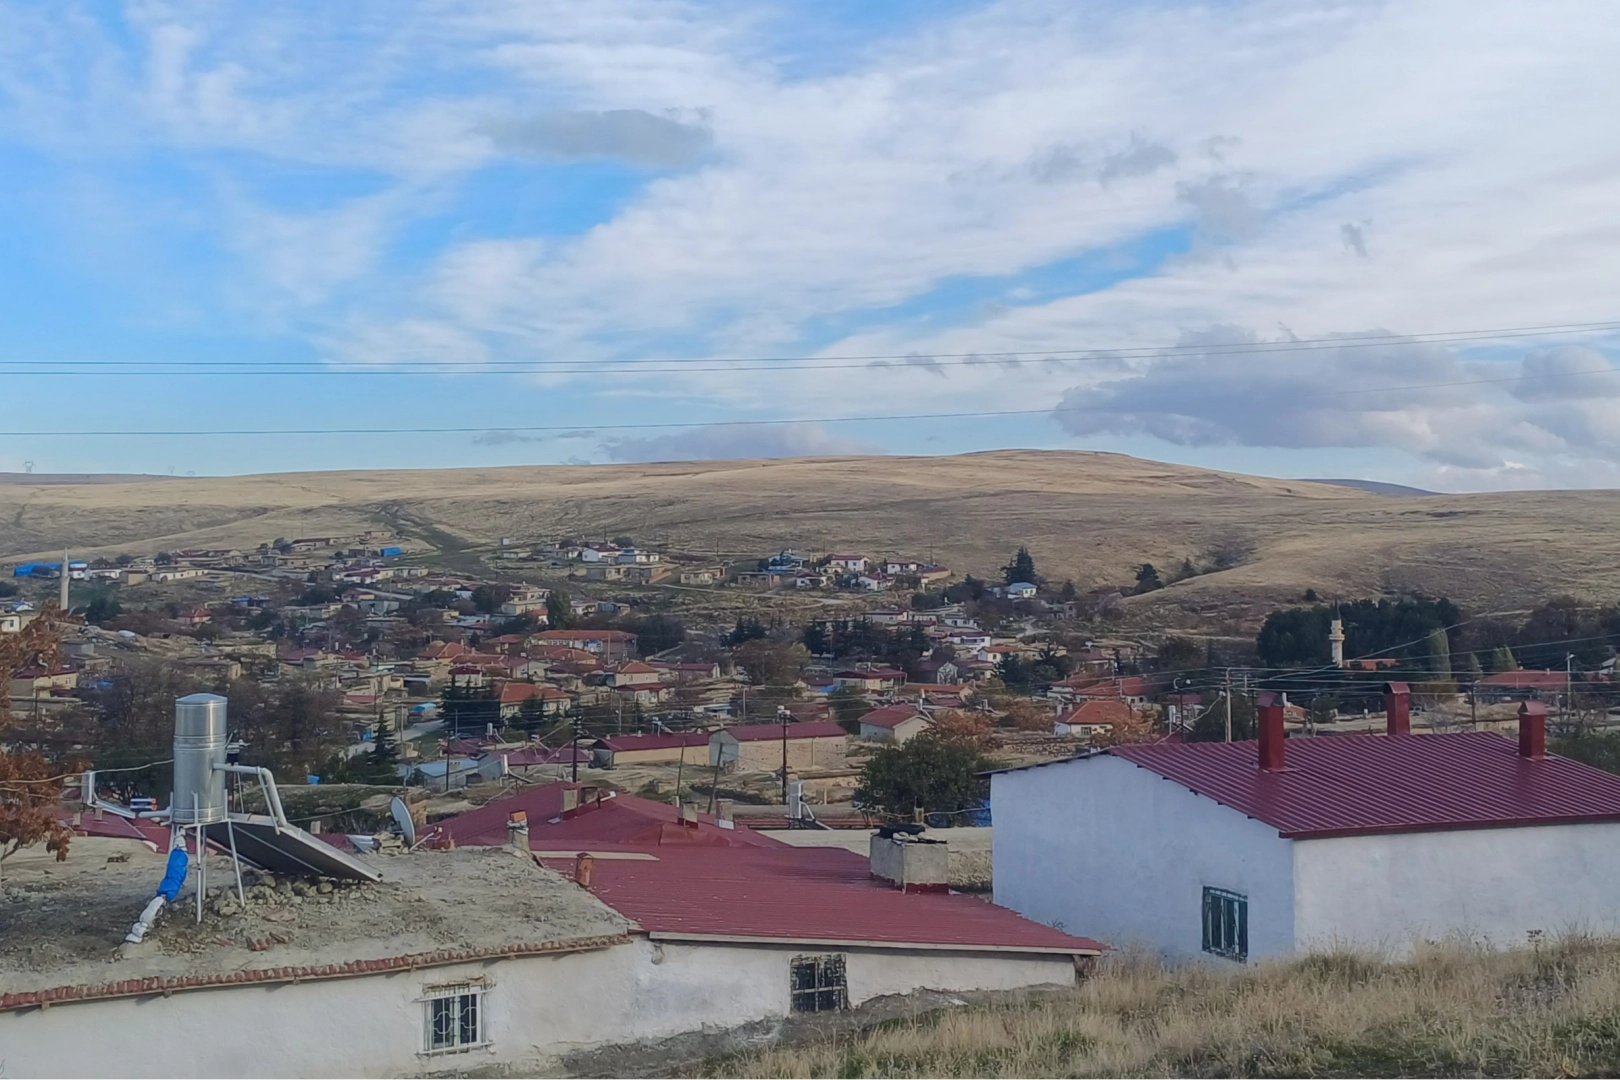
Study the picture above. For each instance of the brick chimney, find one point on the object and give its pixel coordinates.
(1397, 709)
(1533, 730)
(722, 813)
(1269, 714)
(570, 802)
(582, 869)
(517, 830)
(688, 814)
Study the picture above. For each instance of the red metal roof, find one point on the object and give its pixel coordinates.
(622, 821)
(809, 895)
(1354, 784)
(890, 715)
(1527, 680)
(810, 729)
(655, 742)
(1098, 711)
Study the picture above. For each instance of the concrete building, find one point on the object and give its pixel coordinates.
(560, 921)
(758, 747)
(1253, 849)
(692, 747)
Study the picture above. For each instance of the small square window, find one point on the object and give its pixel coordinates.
(454, 1018)
(819, 984)
(1226, 924)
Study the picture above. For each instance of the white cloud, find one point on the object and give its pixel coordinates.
(1420, 167)
(1226, 388)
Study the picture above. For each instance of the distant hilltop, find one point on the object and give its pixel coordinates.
(43, 479)
(1377, 487)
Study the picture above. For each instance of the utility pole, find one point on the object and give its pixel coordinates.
(1569, 677)
(573, 747)
(1228, 704)
(64, 599)
(785, 715)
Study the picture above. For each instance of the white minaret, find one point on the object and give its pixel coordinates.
(1336, 639)
(64, 599)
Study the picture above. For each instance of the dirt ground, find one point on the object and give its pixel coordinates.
(64, 923)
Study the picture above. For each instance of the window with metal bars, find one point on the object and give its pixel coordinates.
(454, 1017)
(819, 983)
(1226, 924)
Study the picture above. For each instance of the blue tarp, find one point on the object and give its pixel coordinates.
(175, 876)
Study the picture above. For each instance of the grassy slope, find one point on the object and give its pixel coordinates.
(1090, 517)
(1450, 1011)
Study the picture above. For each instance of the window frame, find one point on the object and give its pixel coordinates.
(1225, 919)
(474, 991)
(827, 989)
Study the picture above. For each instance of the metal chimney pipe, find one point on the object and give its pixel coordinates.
(1397, 709)
(1533, 730)
(1269, 710)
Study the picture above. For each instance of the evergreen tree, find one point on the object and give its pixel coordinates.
(1147, 579)
(1439, 654)
(559, 611)
(1502, 659)
(384, 755)
(1022, 568)
(816, 639)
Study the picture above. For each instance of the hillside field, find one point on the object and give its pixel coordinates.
(1089, 517)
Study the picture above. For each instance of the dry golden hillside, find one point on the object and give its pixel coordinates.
(1086, 516)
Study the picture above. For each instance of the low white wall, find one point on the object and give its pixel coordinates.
(536, 1008)
(1102, 848)
(1494, 885)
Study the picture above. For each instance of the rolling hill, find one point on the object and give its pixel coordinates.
(1091, 517)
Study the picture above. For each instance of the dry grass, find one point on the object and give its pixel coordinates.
(1451, 1010)
(1092, 517)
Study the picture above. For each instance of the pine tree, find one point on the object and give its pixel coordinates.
(384, 755)
(1021, 569)
(559, 611)
(1502, 659)
(1439, 654)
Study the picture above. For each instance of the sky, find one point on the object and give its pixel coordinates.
(1293, 238)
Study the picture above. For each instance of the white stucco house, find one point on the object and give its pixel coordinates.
(591, 920)
(1253, 849)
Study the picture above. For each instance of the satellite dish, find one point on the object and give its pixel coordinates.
(402, 818)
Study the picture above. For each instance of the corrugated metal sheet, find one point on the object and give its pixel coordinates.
(622, 821)
(655, 742)
(808, 895)
(1353, 784)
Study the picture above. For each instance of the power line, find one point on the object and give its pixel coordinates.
(635, 365)
(585, 429)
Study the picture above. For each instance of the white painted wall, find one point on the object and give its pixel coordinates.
(536, 1008)
(1102, 848)
(1495, 885)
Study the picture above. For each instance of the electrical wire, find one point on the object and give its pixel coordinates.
(808, 363)
(584, 429)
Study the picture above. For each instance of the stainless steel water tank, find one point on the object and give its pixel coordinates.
(200, 733)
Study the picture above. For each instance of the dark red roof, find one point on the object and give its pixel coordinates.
(1098, 711)
(1353, 784)
(890, 715)
(810, 729)
(625, 821)
(806, 894)
(1527, 680)
(655, 742)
